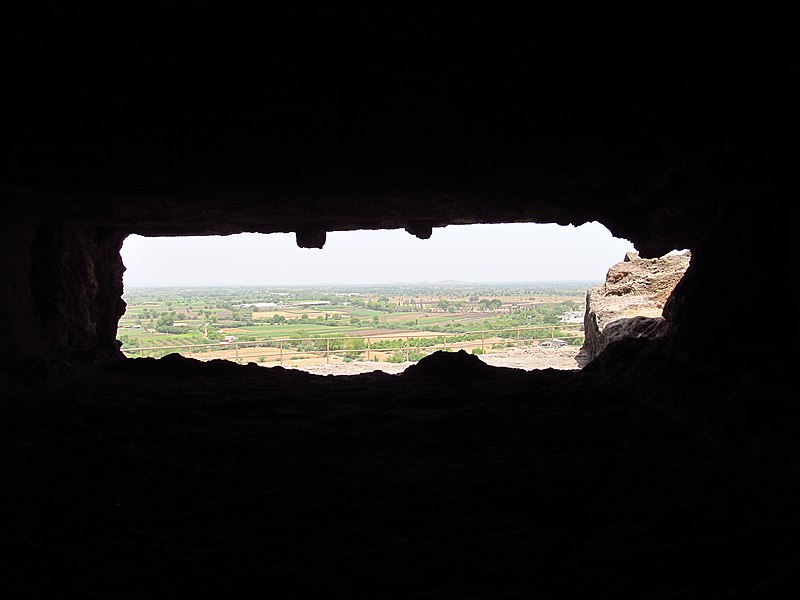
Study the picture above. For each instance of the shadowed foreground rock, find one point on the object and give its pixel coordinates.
(174, 477)
(668, 467)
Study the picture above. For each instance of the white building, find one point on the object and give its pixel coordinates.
(575, 316)
(259, 305)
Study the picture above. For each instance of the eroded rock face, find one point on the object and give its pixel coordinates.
(191, 124)
(631, 301)
(176, 121)
(61, 295)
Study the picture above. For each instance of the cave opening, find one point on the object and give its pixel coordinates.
(667, 467)
(513, 294)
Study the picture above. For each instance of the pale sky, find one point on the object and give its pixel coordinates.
(471, 253)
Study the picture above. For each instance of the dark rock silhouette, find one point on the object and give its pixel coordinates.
(667, 468)
(451, 366)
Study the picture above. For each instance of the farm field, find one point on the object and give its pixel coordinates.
(334, 325)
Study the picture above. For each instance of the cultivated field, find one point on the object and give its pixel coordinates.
(312, 327)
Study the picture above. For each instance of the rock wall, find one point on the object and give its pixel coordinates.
(20, 321)
(61, 296)
(631, 302)
(664, 127)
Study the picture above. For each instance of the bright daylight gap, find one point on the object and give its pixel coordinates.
(512, 294)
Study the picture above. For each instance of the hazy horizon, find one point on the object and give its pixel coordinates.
(371, 284)
(467, 254)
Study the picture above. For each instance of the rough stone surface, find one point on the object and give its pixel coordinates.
(656, 471)
(61, 296)
(160, 477)
(631, 301)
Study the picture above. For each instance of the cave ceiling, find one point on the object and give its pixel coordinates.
(216, 121)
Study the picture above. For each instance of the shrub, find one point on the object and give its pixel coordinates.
(397, 357)
(400, 356)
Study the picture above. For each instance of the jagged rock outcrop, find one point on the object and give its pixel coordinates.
(631, 301)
